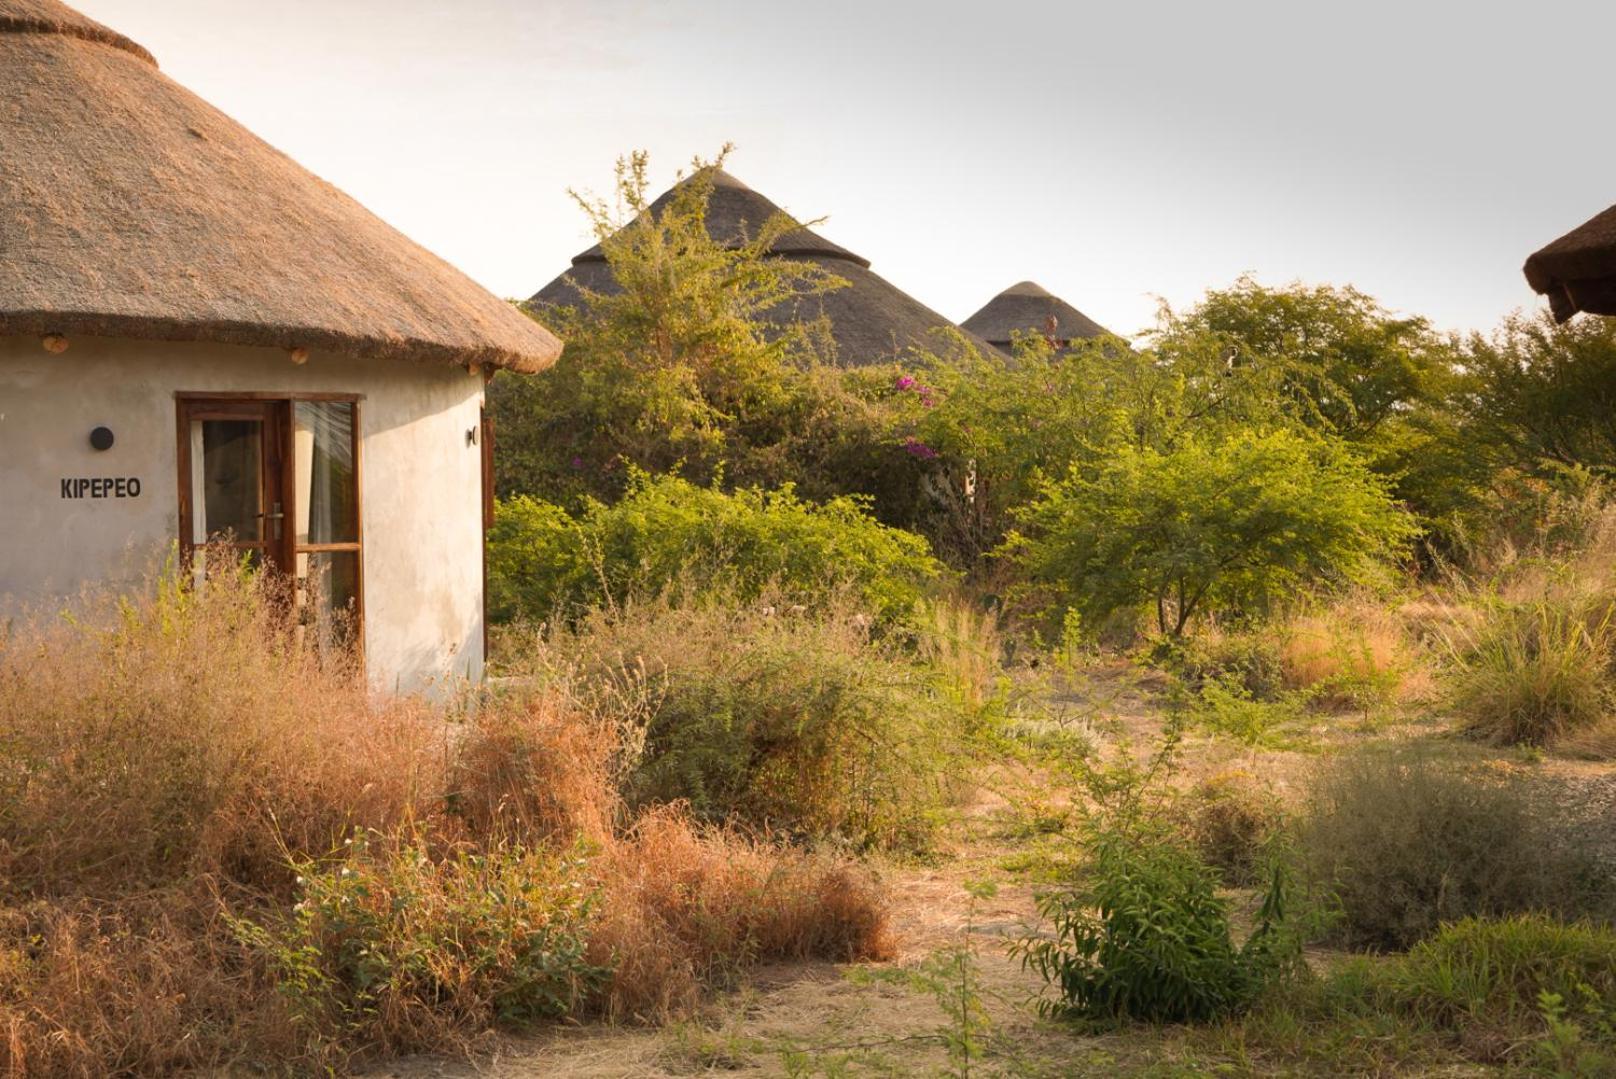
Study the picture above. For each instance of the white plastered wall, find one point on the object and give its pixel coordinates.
(420, 482)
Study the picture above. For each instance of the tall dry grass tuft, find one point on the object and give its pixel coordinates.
(219, 850)
(687, 907)
(181, 734)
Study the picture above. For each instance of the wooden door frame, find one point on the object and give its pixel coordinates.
(276, 407)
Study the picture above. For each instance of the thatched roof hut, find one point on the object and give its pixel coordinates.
(871, 319)
(1029, 308)
(1578, 271)
(203, 346)
(129, 207)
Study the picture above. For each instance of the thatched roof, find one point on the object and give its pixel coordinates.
(129, 207)
(1028, 308)
(1578, 271)
(871, 320)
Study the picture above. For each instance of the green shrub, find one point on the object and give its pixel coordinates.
(1406, 843)
(1532, 673)
(1146, 937)
(802, 722)
(1220, 524)
(667, 533)
(393, 944)
(1248, 658)
(1138, 929)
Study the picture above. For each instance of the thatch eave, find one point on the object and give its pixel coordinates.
(1577, 271)
(129, 207)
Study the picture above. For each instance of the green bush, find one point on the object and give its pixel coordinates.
(1406, 843)
(1146, 937)
(1225, 524)
(797, 722)
(667, 533)
(392, 941)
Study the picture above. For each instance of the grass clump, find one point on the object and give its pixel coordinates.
(1231, 819)
(1405, 843)
(1535, 672)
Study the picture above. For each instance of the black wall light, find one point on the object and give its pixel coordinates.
(101, 438)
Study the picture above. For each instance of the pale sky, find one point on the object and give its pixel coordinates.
(1112, 152)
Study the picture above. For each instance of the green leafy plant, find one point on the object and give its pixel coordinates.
(669, 535)
(1139, 932)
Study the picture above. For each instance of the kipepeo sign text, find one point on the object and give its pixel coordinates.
(101, 487)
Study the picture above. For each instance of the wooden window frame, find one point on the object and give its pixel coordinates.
(191, 405)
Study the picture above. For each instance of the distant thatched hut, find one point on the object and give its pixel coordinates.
(202, 342)
(871, 320)
(1028, 308)
(1578, 271)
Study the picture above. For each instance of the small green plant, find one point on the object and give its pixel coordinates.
(1566, 1051)
(1141, 933)
(1226, 708)
(950, 976)
(1146, 937)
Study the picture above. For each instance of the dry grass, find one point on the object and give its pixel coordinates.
(169, 764)
(1353, 653)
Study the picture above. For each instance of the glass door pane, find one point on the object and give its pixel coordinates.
(327, 492)
(227, 485)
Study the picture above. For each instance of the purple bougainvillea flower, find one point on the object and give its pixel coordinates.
(917, 448)
(905, 382)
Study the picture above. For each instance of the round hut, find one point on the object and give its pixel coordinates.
(1577, 272)
(203, 344)
(1029, 308)
(871, 320)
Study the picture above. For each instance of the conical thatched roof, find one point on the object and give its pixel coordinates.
(1578, 271)
(1028, 308)
(871, 320)
(129, 207)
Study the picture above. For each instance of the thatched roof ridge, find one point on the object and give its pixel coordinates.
(1027, 307)
(871, 320)
(50, 17)
(735, 212)
(1578, 271)
(129, 207)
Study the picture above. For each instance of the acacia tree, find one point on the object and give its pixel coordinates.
(679, 367)
(1541, 392)
(1222, 524)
